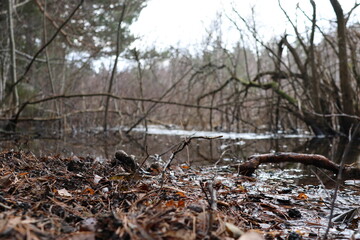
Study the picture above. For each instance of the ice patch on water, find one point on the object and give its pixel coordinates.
(158, 130)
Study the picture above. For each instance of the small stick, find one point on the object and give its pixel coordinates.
(339, 176)
(186, 142)
(181, 146)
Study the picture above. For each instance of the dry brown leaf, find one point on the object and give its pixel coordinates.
(252, 235)
(233, 230)
(181, 234)
(80, 236)
(181, 194)
(5, 181)
(302, 196)
(89, 191)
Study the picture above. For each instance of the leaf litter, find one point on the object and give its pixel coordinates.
(77, 198)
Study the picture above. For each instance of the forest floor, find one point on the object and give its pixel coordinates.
(77, 198)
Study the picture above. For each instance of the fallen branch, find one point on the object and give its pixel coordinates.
(249, 167)
(13, 121)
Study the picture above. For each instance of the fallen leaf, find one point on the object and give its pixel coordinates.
(240, 189)
(181, 234)
(181, 194)
(89, 191)
(347, 216)
(5, 181)
(63, 192)
(170, 203)
(251, 235)
(181, 203)
(80, 236)
(97, 179)
(302, 196)
(233, 230)
(119, 177)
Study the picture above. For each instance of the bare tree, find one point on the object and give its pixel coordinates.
(348, 104)
(14, 91)
(118, 47)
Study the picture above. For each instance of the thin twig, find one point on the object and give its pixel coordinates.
(186, 142)
(149, 110)
(202, 186)
(147, 156)
(180, 147)
(339, 176)
(337, 115)
(212, 201)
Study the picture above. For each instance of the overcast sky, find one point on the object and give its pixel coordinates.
(184, 23)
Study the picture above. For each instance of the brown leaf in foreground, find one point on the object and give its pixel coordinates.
(58, 198)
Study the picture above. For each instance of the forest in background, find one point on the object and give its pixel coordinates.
(289, 84)
(50, 75)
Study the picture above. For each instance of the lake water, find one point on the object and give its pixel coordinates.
(158, 140)
(231, 148)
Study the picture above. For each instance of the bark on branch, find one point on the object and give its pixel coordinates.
(316, 160)
(270, 85)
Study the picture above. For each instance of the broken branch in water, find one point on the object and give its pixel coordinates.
(249, 167)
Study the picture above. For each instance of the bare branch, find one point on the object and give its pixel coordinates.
(298, 35)
(14, 120)
(16, 6)
(351, 11)
(325, 36)
(43, 10)
(341, 171)
(181, 146)
(172, 87)
(28, 67)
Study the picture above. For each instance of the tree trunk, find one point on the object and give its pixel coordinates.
(118, 49)
(15, 96)
(347, 93)
(315, 80)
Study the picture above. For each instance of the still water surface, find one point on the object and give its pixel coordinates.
(231, 148)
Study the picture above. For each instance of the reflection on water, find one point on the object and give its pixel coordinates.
(232, 148)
